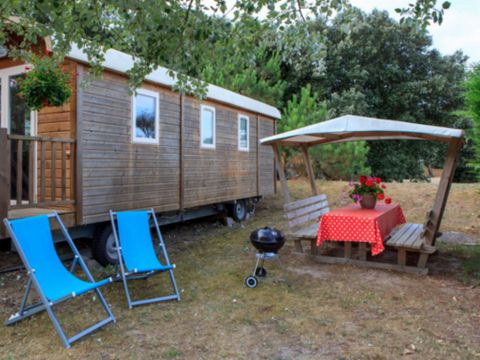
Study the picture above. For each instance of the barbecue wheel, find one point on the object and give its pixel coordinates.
(261, 272)
(251, 281)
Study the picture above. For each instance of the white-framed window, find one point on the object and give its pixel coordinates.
(243, 132)
(145, 117)
(207, 127)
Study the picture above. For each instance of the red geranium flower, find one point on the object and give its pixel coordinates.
(363, 179)
(380, 196)
(369, 182)
(378, 180)
(388, 200)
(383, 186)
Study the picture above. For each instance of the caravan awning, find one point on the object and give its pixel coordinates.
(352, 128)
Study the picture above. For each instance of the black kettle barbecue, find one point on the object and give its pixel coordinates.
(267, 241)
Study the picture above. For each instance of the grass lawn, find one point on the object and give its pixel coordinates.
(319, 312)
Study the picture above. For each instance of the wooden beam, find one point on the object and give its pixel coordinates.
(63, 169)
(181, 197)
(308, 166)
(362, 251)
(274, 167)
(43, 167)
(347, 250)
(78, 191)
(281, 173)
(369, 264)
(359, 135)
(19, 186)
(53, 172)
(31, 172)
(72, 171)
(258, 156)
(443, 190)
(4, 179)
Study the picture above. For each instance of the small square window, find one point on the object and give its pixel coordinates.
(145, 117)
(243, 133)
(207, 127)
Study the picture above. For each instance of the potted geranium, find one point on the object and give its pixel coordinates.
(367, 190)
(45, 84)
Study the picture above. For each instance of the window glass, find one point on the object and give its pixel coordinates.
(243, 133)
(146, 117)
(208, 127)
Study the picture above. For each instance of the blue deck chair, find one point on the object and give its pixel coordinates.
(136, 252)
(54, 283)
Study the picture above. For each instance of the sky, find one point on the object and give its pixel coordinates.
(459, 29)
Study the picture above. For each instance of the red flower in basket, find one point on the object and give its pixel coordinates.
(367, 191)
(388, 200)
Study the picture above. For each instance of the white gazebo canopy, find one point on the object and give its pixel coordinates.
(353, 127)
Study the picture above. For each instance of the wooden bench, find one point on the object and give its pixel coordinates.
(411, 237)
(303, 217)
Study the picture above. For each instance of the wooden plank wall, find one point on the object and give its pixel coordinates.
(223, 173)
(58, 122)
(119, 175)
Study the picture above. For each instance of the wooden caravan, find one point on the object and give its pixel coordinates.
(108, 149)
(409, 238)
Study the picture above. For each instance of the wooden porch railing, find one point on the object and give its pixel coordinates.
(46, 181)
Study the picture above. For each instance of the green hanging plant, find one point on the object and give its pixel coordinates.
(45, 83)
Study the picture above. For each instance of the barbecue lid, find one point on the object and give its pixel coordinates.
(267, 235)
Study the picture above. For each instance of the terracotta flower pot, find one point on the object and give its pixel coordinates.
(368, 202)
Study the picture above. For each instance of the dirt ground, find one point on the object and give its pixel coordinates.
(307, 311)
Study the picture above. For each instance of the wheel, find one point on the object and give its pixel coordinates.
(103, 246)
(251, 281)
(238, 211)
(261, 272)
(5, 245)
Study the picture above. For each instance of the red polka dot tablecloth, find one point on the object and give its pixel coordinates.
(352, 223)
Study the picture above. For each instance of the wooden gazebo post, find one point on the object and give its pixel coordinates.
(435, 216)
(308, 166)
(281, 173)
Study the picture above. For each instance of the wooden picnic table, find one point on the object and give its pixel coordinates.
(354, 224)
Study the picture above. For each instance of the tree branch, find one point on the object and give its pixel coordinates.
(300, 10)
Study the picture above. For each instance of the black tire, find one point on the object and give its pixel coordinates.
(103, 246)
(5, 245)
(261, 272)
(238, 210)
(251, 282)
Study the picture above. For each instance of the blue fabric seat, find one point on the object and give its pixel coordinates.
(136, 242)
(53, 282)
(35, 238)
(136, 251)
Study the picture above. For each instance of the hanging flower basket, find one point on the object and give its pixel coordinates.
(45, 84)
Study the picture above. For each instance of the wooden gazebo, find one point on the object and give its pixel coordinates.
(355, 128)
